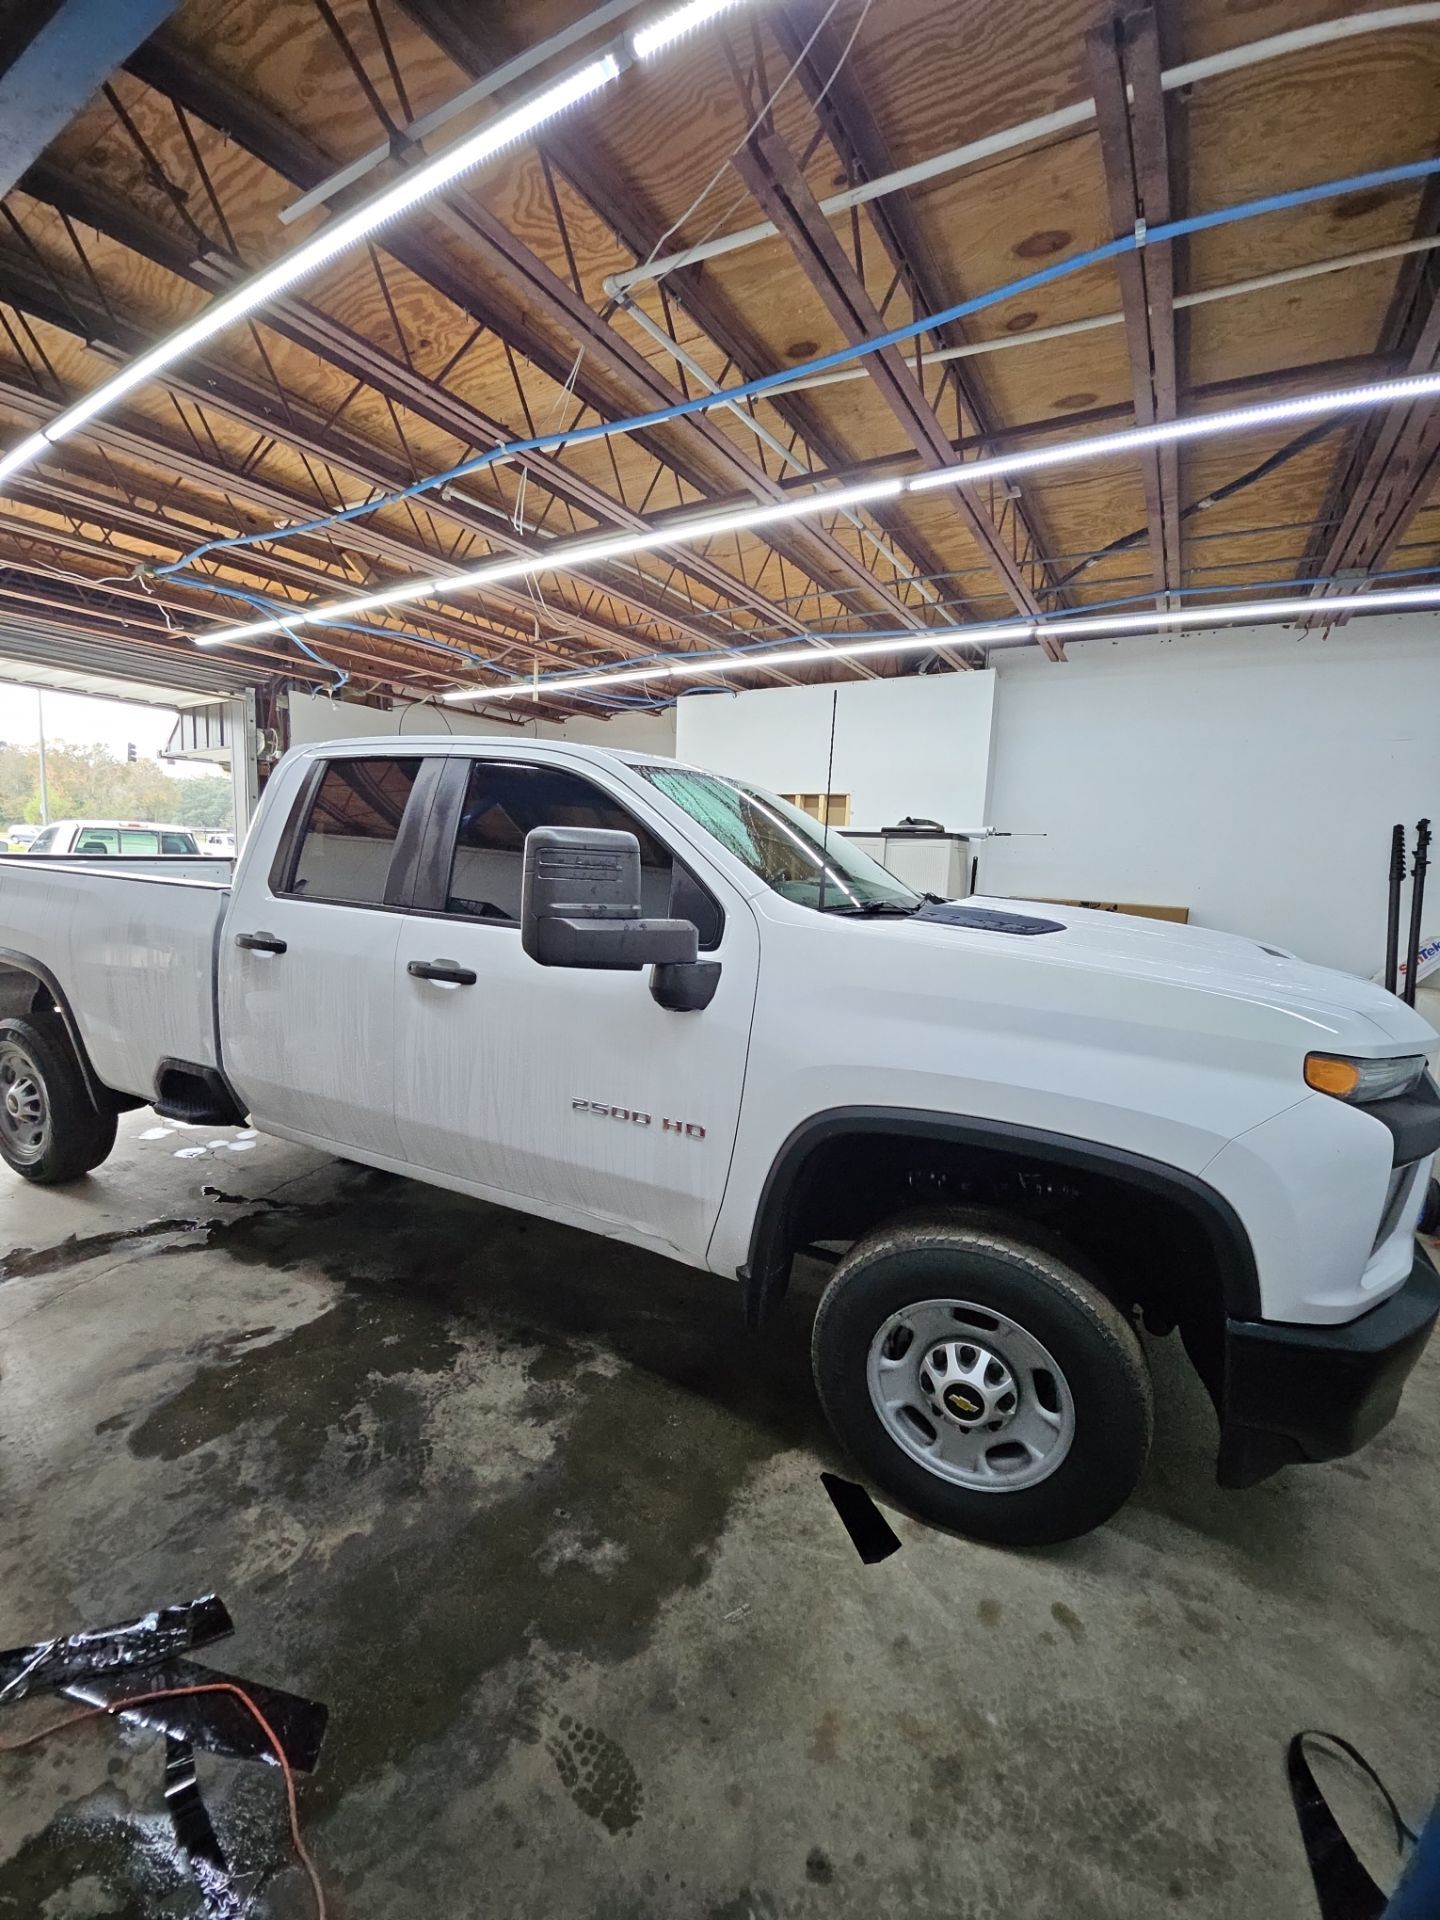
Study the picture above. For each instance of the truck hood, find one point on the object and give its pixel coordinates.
(1165, 952)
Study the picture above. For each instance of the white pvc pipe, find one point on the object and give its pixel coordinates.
(1043, 127)
(440, 116)
(1005, 343)
(763, 434)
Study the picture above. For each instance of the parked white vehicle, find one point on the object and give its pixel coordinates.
(111, 838)
(1014, 1130)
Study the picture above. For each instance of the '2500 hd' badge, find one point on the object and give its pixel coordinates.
(687, 1129)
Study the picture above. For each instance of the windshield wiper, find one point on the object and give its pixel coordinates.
(872, 909)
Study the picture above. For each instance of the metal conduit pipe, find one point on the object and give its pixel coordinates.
(1044, 126)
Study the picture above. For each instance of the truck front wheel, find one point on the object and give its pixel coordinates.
(982, 1380)
(50, 1131)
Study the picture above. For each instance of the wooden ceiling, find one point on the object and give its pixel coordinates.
(483, 317)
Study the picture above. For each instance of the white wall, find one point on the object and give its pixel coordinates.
(320, 719)
(1252, 776)
(917, 746)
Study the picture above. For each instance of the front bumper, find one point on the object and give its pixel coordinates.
(1313, 1393)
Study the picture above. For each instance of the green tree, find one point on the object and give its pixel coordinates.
(91, 783)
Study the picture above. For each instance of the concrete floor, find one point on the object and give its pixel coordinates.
(544, 1526)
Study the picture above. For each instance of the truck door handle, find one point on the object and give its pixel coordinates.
(449, 970)
(259, 943)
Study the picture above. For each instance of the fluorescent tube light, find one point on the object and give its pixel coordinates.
(670, 26)
(1269, 413)
(1082, 626)
(567, 558)
(562, 557)
(331, 241)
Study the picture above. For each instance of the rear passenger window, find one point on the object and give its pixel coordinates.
(139, 842)
(176, 843)
(350, 833)
(502, 803)
(99, 840)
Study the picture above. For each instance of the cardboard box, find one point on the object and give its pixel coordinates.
(1182, 914)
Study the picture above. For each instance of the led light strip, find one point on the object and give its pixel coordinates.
(672, 26)
(340, 235)
(567, 558)
(1081, 626)
(563, 558)
(1272, 412)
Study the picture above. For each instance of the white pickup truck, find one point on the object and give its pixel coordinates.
(1015, 1131)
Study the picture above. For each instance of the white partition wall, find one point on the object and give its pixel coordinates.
(917, 746)
(1251, 776)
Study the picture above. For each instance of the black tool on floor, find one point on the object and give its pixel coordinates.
(1417, 903)
(143, 1662)
(1392, 912)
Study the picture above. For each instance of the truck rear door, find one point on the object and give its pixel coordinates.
(570, 1090)
(307, 960)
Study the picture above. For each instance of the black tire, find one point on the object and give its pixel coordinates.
(74, 1136)
(1016, 1271)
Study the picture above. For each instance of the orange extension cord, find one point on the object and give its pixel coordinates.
(178, 1693)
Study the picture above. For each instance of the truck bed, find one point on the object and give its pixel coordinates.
(133, 940)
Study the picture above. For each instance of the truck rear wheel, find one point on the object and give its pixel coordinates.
(982, 1380)
(50, 1131)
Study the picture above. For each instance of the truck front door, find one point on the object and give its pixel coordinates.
(572, 1091)
(307, 960)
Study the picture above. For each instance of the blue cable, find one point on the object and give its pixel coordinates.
(278, 608)
(726, 396)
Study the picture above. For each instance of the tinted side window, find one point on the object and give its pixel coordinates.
(350, 832)
(131, 842)
(177, 843)
(45, 842)
(502, 803)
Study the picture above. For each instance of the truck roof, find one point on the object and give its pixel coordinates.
(144, 826)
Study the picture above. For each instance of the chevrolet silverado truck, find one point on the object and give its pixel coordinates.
(639, 998)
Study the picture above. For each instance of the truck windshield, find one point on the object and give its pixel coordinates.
(792, 853)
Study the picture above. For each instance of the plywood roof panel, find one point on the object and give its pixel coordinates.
(176, 204)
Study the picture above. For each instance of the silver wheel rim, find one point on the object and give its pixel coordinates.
(971, 1395)
(24, 1109)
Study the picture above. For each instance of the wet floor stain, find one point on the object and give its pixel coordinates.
(26, 1262)
(449, 1577)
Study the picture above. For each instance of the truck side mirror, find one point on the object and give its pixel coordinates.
(580, 904)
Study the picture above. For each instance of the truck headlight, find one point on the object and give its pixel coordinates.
(1361, 1082)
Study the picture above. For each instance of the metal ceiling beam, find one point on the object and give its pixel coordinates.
(518, 290)
(619, 205)
(297, 426)
(769, 170)
(1399, 470)
(1386, 465)
(849, 122)
(1124, 62)
(55, 73)
(359, 359)
(139, 441)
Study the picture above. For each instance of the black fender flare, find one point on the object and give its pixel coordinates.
(765, 1274)
(102, 1098)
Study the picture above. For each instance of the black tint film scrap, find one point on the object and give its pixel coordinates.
(873, 1536)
